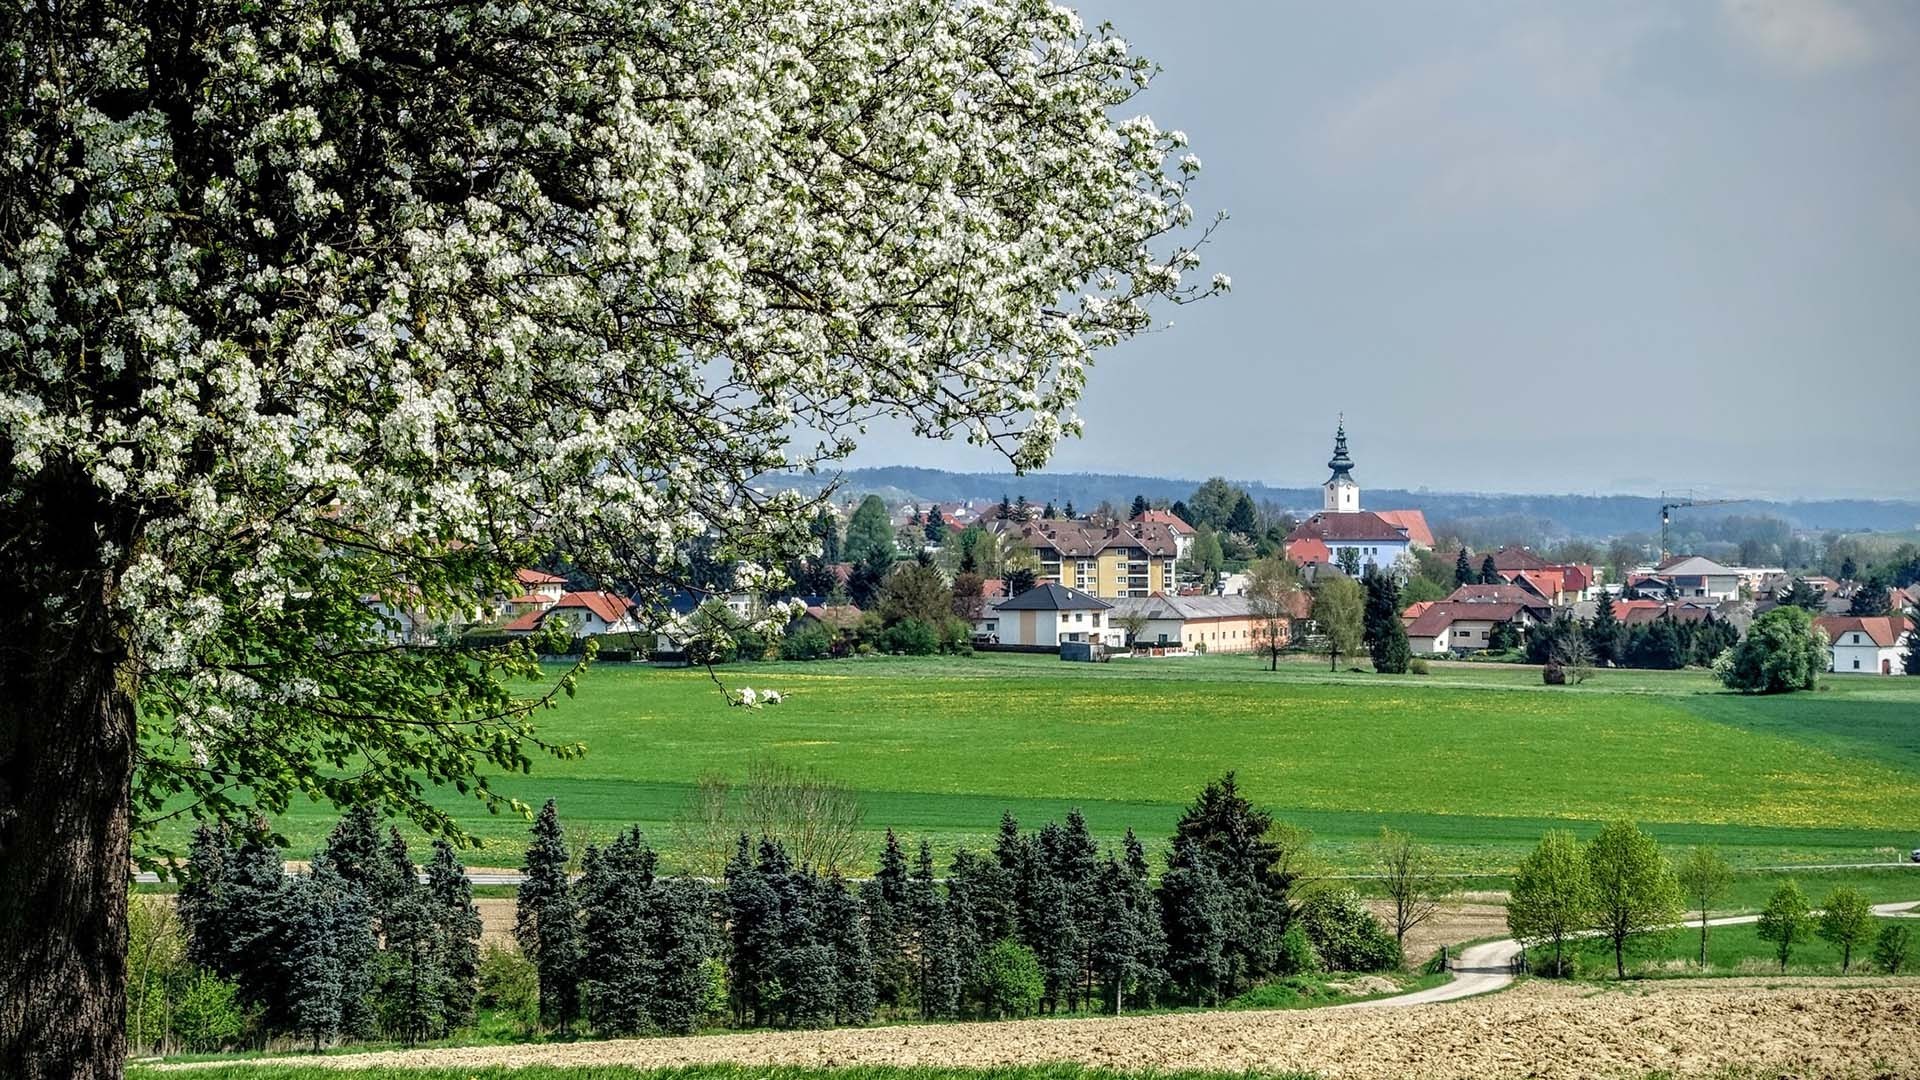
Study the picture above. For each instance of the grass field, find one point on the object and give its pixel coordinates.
(1477, 759)
(1731, 950)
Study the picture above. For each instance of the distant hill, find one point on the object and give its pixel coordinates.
(1550, 516)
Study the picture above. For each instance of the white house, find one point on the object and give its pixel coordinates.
(1462, 626)
(1867, 645)
(1692, 577)
(1047, 615)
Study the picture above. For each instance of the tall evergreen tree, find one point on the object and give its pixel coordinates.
(753, 932)
(1244, 519)
(680, 930)
(935, 977)
(328, 955)
(890, 926)
(1912, 662)
(456, 921)
(844, 929)
(613, 894)
(971, 924)
(1870, 599)
(826, 532)
(1022, 509)
(1139, 509)
(1049, 512)
(1182, 511)
(1488, 575)
(353, 850)
(407, 978)
(1603, 633)
(1239, 841)
(1462, 569)
(1067, 511)
(1384, 633)
(546, 920)
(1193, 903)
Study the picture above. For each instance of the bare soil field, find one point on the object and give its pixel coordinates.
(1863, 1027)
(1468, 917)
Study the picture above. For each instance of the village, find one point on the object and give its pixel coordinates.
(1148, 582)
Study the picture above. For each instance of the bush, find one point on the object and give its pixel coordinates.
(1345, 934)
(1010, 980)
(956, 637)
(1417, 666)
(1553, 674)
(810, 642)
(510, 985)
(1893, 949)
(1297, 955)
(909, 637)
(209, 1015)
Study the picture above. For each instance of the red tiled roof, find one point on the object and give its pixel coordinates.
(1081, 539)
(1495, 594)
(525, 622)
(1413, 521)
(1415, 610)
(1445, 613)
(608, 607)
(1348, 526)
(1167, 518)
(1882, 630)
(1513, 557)
(530, 578)
(1649, 611)
(1308, 549)
(835, 615)
(993, 587)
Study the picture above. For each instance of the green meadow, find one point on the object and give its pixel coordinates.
(1476, 759)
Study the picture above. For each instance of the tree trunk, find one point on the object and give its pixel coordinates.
(1703, 939)
(67, 740)
(66, 762)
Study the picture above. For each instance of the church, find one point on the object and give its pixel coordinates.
(1377, 538)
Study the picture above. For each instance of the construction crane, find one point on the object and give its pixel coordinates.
(1668, 504)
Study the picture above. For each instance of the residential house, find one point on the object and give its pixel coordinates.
(588, 614)
(1867, 645)
(1691, 577)
(1463, 626)
(1134, 558)
(1047, 615)
(1183, 533)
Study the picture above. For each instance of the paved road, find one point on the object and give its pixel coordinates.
(1484, 968)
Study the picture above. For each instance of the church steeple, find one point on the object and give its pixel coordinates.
(1342, 494)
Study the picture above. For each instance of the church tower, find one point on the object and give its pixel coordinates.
(1342, 494)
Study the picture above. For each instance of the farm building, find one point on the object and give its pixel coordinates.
(1867, 645)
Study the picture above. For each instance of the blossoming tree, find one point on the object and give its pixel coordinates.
(314, 311)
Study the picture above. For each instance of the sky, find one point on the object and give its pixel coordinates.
(1532, 247)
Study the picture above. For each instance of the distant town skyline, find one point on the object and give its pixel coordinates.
(1616, 248)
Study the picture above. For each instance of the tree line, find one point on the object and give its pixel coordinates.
(365, 944)
(1619, 886)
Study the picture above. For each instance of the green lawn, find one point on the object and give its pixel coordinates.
(1731, 950)
(1474, 758)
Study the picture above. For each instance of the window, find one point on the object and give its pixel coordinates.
(1856, 639)
(1856, 665)
(1079, 616)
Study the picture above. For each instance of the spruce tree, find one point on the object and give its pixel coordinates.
(1049, 512)
(680, 929)
(327, 956)
(546, 920)
(407, 992)
(1488, 575)
(456, 921)
(1193, 903)
(844, 930)
(1244, 518)
(1870, 599)
(1462, 569)
(1140, 508)
(353, 850)
(1385, 635)
(615, 968)
(1182, 511)
(935, 975)
(1912, 662)
(753, 927)
(1067, 511)
(805, 967)
(202, 903)
(889, 922)
(1021, 508)
(970, 923)
(1145, 907)
(1603, 633)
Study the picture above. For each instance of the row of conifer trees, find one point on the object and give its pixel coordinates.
(1043, 922)
(363, 943)
(366, 943)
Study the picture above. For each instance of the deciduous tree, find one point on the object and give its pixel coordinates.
(1786, 921)
(1338, 616)
(1274, 595)
(1413, 885)
(1633, 887)
(1846, 922)
(312, 302)
(1703, 877)
(1552, 896)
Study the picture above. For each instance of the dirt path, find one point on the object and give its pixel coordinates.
(1839, 1028)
